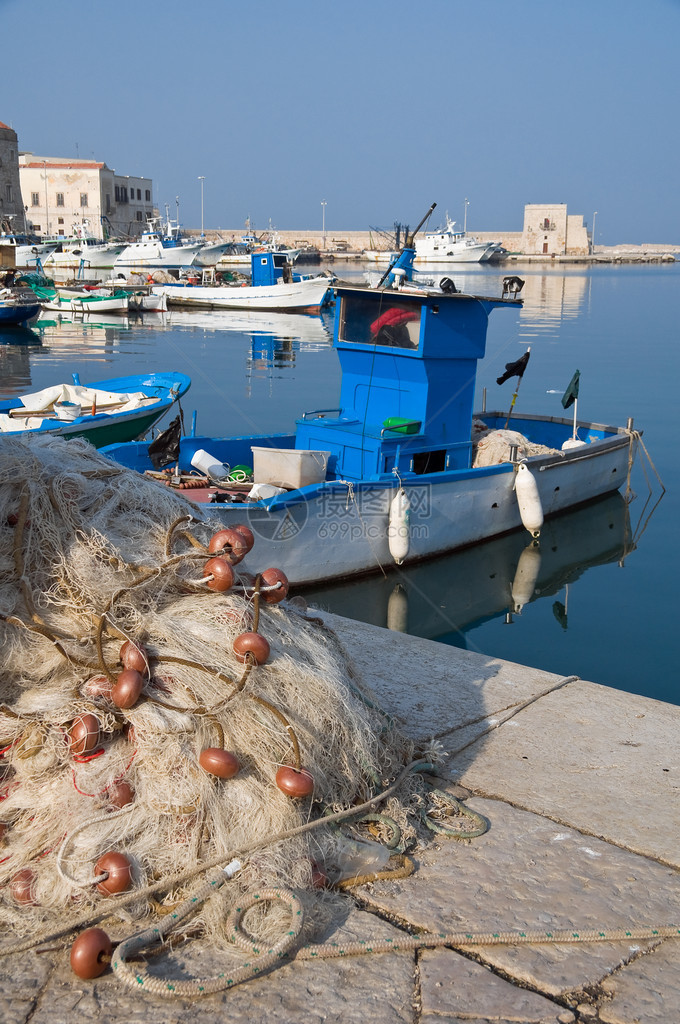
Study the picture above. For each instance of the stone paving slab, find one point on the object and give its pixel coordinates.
(525, 874)
(434, 688)
(648, 990)
(455, 989)
(604, 761)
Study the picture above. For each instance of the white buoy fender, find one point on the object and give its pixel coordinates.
(526, 575)
(528, 499)
(398, 528)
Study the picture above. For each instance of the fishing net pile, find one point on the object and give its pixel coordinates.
(491, 447)
(141, 734)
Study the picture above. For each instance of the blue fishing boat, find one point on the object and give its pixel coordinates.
(17, 306)
(403, 469)
(105, 412)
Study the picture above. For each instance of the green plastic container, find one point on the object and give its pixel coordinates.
(400, 425)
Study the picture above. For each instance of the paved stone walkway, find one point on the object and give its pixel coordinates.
(580, 786)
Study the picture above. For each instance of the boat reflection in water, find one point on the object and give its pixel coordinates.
(446, 597)
(309, 331)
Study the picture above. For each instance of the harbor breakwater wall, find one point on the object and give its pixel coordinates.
(350, 244)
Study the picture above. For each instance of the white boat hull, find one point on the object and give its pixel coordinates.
(88, 304)
(477, 253)
(333, 531)
(309, 293)
(101, 258)
(141, 256)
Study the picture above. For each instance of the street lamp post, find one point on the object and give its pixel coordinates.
(201, 178)
(47, 208)
(592, 244)
(323, 222)
(467, 203)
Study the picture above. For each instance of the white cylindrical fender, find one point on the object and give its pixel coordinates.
(528, 499)
(398, 527)
(526, 574)
(397, 609)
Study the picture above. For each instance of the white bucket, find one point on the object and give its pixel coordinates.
(209, 465)
(67, 410)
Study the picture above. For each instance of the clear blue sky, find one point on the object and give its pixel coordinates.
(379, 107)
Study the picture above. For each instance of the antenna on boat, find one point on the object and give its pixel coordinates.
(408, 244)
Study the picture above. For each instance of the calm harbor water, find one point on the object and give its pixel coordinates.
(598, 598)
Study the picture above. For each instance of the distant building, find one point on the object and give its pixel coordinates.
(62, 193)
(551, 231)
(11, 205)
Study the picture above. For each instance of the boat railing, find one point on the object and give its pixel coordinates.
(318, 412)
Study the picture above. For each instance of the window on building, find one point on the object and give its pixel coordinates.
(60, 220)
(8, 193)
(117, 193)
(147, 195)
(139, 193)
(35, 199)
(83, 198)
(139, 215)
(108, 202)
(60, 198)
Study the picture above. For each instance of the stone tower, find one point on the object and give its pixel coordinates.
(11, 203)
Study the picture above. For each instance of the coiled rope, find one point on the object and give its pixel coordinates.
(271, 957)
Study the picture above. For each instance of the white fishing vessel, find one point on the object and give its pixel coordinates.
(155, 250)
(274, 286)
(82, 251)
(446, 245)
(26, 251)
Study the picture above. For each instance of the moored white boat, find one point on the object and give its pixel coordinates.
(82, 251)
(274, 287)
(155, 250)
(26, 251)
(81, 300)
(446, 245)
(401, 470)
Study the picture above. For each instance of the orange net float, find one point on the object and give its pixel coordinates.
(295, 784)
(120, 794)
(251, 645)
(97, 686)
(91, 953)
(134, 656)
(119, 871)
(275, 586)
(219, 762)
(84, 734)
(22, 886)
(218, 574)
(127, 688)
(246, 533)
(231, 544)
